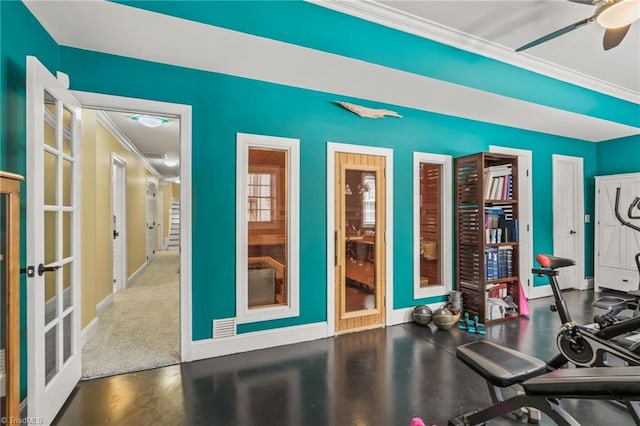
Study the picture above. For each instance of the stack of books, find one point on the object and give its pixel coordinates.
(498, 181)
(498, 262)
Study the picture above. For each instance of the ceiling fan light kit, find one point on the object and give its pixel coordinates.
(620, 14)
(616, 16)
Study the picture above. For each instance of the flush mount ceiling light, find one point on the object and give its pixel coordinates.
(170, 163)
(150, 120)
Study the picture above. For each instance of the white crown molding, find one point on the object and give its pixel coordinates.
(117, 133)
(393, 18)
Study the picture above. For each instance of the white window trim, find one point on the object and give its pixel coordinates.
(446, 237)
(292, 307)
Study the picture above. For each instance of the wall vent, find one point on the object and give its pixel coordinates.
(155, 155)
(224, 328)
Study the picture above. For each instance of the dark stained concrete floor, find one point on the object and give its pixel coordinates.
(376, 377)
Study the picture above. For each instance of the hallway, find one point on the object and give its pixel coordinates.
(141, 328)
(379, 377)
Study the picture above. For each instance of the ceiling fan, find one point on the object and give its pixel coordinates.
(616, 16)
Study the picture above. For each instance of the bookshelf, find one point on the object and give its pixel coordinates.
(486, 227)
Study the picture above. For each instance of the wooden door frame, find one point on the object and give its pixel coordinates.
(332, 149)
(578, 177)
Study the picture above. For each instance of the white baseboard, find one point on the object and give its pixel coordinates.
(135, 274)
(588, 284)
(88, 332)
(209, 348)
(104, 304)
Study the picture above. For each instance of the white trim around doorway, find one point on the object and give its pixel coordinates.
(184, 114)
(332, 148)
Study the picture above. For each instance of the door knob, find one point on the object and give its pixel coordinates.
(572, 232)
(42, 269)
(116, 234)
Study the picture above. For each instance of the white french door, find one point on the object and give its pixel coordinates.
(53, 232)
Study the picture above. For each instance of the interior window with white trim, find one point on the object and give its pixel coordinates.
(267, 228)
(432, 219)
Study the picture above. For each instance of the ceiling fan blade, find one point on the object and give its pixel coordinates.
(613, 36)
(557, 33)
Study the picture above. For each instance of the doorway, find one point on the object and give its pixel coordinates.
(137, 323)
(359, 233)
(568, 211)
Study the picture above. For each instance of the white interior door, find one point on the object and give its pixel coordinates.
(151, 220)
(160, 221)
(53, 239)
(568, 210)
(118, 223)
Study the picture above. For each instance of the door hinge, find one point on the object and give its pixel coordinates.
(528, 283)
(527, 227)
(384, 301)
(527, 172)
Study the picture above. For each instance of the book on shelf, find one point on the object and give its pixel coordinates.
(498, 182)
(498, 262)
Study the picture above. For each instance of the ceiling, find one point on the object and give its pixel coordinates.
(146, 140)
(513, 23)
(490, 28)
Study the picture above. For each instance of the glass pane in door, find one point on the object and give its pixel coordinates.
(66, 136)
(50, 353)
(50, 178)
(50, 120)
(67, 182)
(360, 240)
(67, 295)
(67, 347)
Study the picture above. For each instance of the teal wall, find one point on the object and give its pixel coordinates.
(22, 35)
(316, 27)
(224, 105)
(619, 156)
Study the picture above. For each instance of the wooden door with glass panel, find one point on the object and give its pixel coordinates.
(359, 238)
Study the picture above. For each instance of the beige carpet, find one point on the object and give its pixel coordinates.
(140, 329)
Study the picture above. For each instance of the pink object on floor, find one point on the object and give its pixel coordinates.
(523, 303)
(416, 421)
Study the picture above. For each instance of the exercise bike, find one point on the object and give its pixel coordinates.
(615, 305)
(593, 345)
